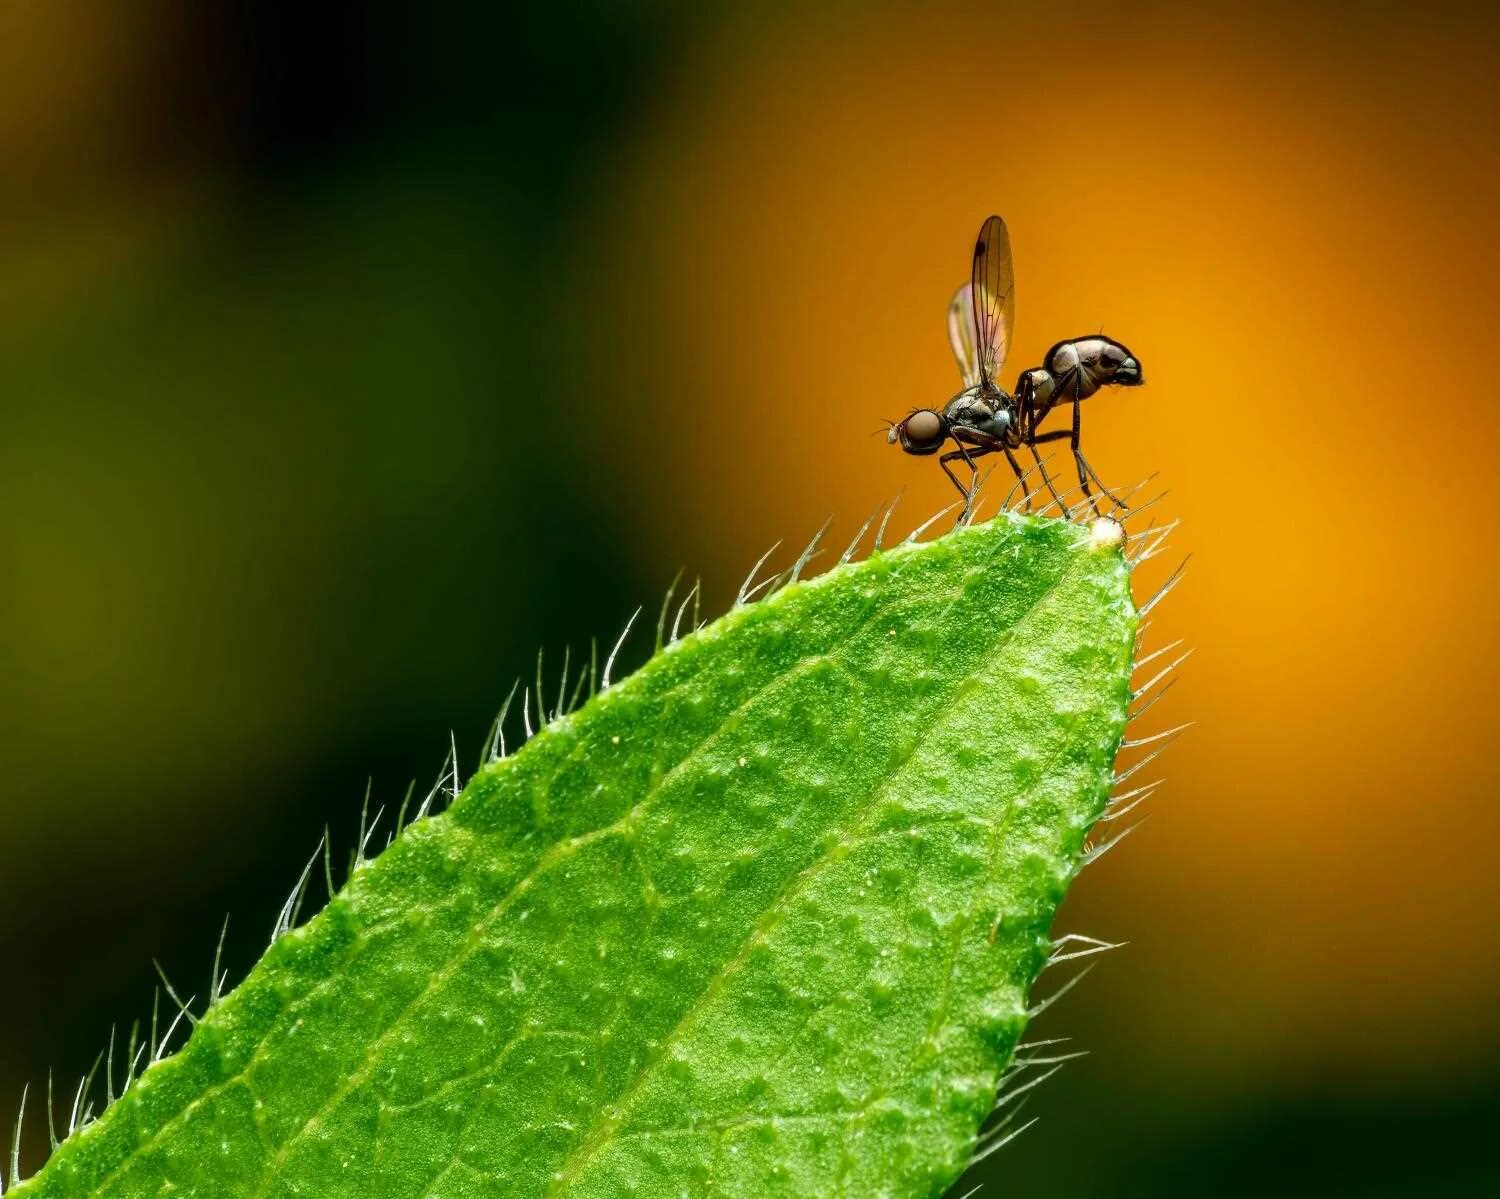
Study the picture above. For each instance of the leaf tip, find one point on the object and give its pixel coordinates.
(1106, 534)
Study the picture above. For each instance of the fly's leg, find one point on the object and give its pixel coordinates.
(1030, 418)
(1041, 467)
(1020, 478)
(1073, 381)
(1085, 471)
(963, 452)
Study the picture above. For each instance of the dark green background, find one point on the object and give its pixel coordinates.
(287, 391)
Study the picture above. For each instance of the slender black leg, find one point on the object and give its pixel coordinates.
(968, 458)
(1042, 467)
(1020, 478)
(1030, 419)
(1085, 471)
(1075, 436)
(1025, 426)
(1058, 435)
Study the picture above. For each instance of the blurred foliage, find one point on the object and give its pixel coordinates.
(274, 402)
(301, 320)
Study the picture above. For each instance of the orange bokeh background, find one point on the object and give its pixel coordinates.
(1290, 218)
(323, 422)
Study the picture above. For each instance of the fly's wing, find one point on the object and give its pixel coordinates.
(994, 297)
(961, 334)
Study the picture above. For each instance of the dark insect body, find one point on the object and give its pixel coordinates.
(984, 418)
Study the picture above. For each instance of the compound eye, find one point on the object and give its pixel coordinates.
(923, 428)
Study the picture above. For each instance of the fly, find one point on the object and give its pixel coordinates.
(985, 419)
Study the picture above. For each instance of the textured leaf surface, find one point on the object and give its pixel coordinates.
(759, 920)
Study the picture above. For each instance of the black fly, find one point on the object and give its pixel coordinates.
(983, 418)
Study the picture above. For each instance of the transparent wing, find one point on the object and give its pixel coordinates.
(961, 334)
(994, 297)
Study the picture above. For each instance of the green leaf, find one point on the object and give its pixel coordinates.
(759, 920)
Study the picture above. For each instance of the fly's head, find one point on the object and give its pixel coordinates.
(921, 432)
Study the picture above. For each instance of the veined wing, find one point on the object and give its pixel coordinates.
(961, 334)
(994, 297)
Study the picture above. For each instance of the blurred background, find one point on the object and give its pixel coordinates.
(349, 353)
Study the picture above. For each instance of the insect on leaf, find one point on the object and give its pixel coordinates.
(759, 920)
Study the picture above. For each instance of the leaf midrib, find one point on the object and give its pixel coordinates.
(517, 889)
(603, 1130)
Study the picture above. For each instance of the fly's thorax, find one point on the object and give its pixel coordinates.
(985, 409)
(963, 402)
